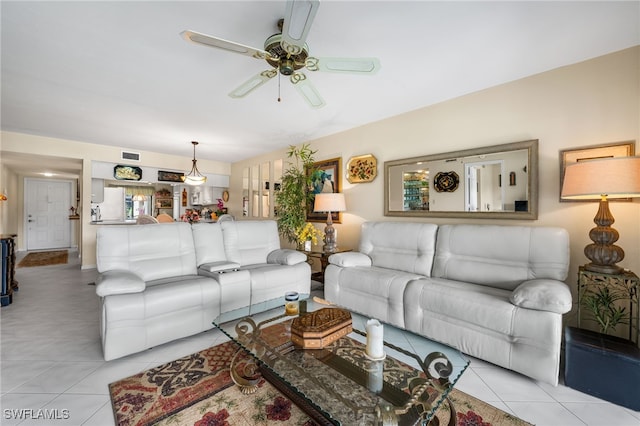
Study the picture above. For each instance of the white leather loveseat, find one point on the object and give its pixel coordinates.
(493, 292)
(162, 282)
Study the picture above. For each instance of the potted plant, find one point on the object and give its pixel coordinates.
(292, 198)
(604, 309)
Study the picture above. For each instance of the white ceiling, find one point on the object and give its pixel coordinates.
(118, 73)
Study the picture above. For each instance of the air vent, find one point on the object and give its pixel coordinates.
(134, 156)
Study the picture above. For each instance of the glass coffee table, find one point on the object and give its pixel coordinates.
(339, 384)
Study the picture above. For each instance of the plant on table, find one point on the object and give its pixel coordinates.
(309, 233)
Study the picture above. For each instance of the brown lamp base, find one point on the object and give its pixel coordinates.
(603, 253)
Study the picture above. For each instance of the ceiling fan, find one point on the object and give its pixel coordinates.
(286, 52)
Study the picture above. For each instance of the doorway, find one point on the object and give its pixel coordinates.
(47, 224)
(483, 187)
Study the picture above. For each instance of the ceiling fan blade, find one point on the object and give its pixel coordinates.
(229, 46)
(344, 65)
(298, 18)
(253, 83)
(307, 90)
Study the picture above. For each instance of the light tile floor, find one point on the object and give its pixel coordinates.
(51, 358)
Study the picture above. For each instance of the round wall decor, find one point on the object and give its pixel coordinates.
(446, 181)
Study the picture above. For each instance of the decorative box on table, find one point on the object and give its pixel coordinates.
(318, 329)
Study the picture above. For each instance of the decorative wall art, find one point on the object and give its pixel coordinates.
(361, 169)
(446, 181)
(121, 172)
(164, 176)
(325, 177)
(570, 156)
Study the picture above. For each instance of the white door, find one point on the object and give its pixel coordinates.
(47, 204)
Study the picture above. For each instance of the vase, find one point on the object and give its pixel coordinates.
(307, 245)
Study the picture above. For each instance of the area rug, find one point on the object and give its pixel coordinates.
(44, 258)
(198, 390)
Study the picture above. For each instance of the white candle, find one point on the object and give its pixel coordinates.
(375, 345)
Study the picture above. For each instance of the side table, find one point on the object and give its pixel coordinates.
(625, 284)
(324, 261)
(8, 281)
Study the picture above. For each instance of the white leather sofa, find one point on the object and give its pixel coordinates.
(161, 282)
(493, 292)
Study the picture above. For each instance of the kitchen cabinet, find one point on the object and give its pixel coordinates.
(205, 195)
(97, 190)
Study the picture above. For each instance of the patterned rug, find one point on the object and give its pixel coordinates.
(198, 390)
(44, 258)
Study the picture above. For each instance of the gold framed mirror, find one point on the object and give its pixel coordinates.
(493, 182)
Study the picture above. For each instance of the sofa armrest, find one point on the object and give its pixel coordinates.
(286, 257)
(350, 259)
(118, 282)
(221, 266)
(543, 295)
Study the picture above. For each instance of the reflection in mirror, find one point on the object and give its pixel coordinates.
(277, 180)
(266, 189)
(499, 181)
(254, 204)
(245, 191)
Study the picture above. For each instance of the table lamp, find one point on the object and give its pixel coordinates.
(617, 177)
(329, 202)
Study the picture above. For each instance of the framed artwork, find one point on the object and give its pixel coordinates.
(363, 168)
(164, 176)
(446, 181)
(570, 156)
(325, 177)
(121, 172)
(164, 203)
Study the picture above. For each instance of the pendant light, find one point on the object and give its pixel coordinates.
(194, 177)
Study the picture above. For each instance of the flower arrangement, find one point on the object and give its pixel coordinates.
(309, 233)
(190, 216)
(220, 209)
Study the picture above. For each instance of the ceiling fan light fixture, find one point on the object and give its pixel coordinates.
(287, 66)
(194, 177)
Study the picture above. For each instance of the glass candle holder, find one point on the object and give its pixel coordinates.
(291, 303)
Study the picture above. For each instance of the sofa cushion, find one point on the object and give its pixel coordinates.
(150, 252)
(207, 238)
(375, 291)
(250, 242)
(543, 295)
(501, 256)
(482, 306)
(402, 246)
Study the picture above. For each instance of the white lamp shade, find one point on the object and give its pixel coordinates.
(617, 177)
(329, 203)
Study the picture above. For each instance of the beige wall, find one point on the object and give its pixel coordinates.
(38, 145)
(589, 103)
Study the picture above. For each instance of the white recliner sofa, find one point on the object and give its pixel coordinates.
(161, 282)
(493, 292)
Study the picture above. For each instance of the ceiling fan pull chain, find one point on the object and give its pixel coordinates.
(279, 87)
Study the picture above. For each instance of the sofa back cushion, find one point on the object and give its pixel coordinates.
(248, 242)
(207, 238)
(402, 246)
(152, 252)
(501, 256)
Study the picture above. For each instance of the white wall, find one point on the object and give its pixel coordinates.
(589, 103)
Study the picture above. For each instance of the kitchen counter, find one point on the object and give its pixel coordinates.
(113, 222)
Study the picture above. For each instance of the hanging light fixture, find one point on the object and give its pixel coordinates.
(194, 177)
